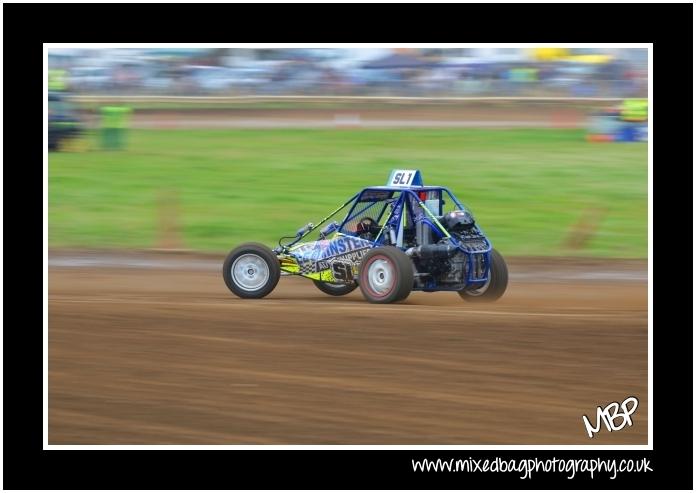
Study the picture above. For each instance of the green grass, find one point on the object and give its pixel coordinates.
(527, 188)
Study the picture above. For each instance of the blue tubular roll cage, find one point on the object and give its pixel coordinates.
(399, 204)
(396, 197)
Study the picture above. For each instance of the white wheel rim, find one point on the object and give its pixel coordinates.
(381, 277)
(250, 272)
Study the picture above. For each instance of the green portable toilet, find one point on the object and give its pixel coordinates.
(114, 126)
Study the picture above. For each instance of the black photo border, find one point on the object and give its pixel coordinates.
(27, 26)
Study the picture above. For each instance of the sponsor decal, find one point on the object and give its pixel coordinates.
(345, 267)
(351, 258)
(340, 255)
(325, 249)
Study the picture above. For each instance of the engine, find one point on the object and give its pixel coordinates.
(441, 264)
(438, 264)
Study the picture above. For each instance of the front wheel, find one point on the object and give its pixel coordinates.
(386, 275)
(335, 289)
(251, 270)
(496, 285)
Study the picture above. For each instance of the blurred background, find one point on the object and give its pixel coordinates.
(376, 72)
(205, 148)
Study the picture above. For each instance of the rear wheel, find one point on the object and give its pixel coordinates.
(251, 270)
(496, 285)
(335, 289)
(386, 275)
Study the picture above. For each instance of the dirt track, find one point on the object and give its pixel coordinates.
(168, 356)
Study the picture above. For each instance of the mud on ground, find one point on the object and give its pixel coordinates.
(167, 355)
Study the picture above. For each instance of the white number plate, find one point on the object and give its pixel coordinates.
(401, 178)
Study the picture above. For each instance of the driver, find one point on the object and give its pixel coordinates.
(367, 228)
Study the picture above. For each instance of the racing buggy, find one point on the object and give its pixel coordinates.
(391, 240)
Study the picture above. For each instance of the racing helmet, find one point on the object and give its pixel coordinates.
(459, 220)
(367, 227)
